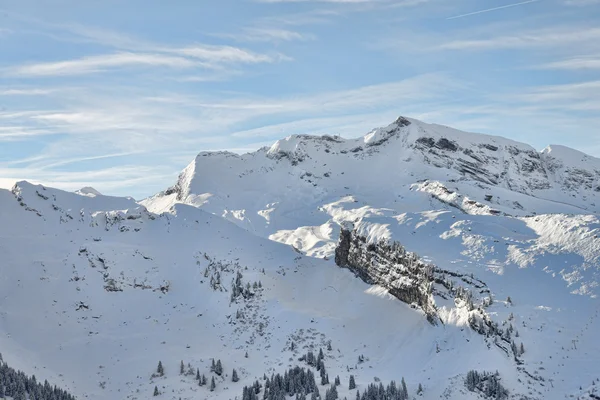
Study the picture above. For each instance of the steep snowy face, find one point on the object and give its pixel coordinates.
(572, 169)
(477, 173)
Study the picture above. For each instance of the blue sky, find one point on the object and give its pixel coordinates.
(121, 95)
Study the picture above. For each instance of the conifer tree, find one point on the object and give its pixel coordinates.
(156, 392)
(160, 370)
(352, 384)
(197, 374)
(181, 368)
(234, 376)
(213, 385)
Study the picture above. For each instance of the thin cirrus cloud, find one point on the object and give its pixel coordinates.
(263, 34)
(100, 63)
(195, 56)
(580, 63)
(528, 39)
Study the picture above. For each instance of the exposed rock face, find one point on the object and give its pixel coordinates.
(390, 266)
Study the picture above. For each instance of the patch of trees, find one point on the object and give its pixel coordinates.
(239, 289)
(389, 392)
(487, 384)
(294, 382)
(19, 386)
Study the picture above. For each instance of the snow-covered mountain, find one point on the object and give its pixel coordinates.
(416, 251)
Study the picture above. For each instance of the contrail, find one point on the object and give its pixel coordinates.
(493, 9)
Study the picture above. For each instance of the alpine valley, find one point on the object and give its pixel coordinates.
(417, 261)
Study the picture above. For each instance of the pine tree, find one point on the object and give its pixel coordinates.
(219, 368)
(329, 345)
(181, 368)
(213, 385)
(156, 392)
(160, 370)
(352, 384)
(337, 382)
(212, 366)
(420, 389)
(404, 389)
(246, 355)
(203, 380)
(522, 349)
(234, 376)
(197, 374)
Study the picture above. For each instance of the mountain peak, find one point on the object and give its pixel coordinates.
(88, 191)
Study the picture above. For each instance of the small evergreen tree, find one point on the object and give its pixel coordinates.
(219, 368)
(404, 389)
(198, 374)
(181, 368)
(160, 370)
(337, 382)
(212, 366)
(234, 376)
(352, 384)
(156, 392)
(213, 385)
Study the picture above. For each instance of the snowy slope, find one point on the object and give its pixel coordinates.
(93, 302)
(95, 290)
(523, 221)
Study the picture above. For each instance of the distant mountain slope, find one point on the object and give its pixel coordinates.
(522, 221)
(464, 246)
(110, 293)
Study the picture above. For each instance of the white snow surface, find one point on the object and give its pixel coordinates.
(524, 222)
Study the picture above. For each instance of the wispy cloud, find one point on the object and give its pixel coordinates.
(578, 63)
(493, 9)
(276, 35)
(224, 54)
(25, 92)
(100, 63)
(527, 39)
